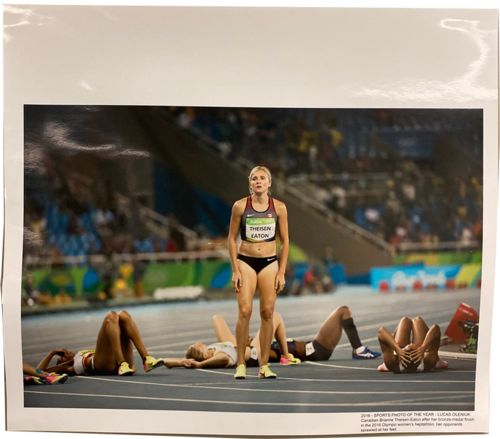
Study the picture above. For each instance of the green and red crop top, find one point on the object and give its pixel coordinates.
(258, 226)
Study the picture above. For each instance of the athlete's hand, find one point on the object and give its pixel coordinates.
(404, 356)
(237, 281)
(193, 364)
(187, 363)
(196, 364)
(62, 352)
(279, 282)
(417, 354)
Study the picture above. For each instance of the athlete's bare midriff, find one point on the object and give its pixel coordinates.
(258, 249)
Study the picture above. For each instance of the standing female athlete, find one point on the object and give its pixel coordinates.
(257, 219)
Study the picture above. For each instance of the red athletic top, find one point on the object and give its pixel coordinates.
(258, 226)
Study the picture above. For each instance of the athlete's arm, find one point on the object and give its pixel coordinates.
(234, 225)
(220, 359)
(66, 367)
(389, 346)
(285, 244)
(176, 362)
(428, 350)
(48, 358)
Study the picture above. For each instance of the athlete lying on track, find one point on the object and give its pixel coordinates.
(413, 347)
(113, 352)
(320, 348)
(223, 352)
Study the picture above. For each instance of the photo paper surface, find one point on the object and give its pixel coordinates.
(380, 133)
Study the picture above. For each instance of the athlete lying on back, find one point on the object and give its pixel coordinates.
(320, 348)
(413, 347)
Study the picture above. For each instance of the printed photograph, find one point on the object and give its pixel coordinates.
(263, 260)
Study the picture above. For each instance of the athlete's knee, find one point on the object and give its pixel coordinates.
(266, 314)
(344, 309)
(405, 321)
(277, 319)
(217, 320)
(418, 319)
(111, 317)
(244, 312)
(436, 328)
(124, 316)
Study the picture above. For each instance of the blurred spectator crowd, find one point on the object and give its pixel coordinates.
(64, 216)
(377, 168)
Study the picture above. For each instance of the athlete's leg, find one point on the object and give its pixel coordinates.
(280, 333)
(419, 330)
(432, 338)
(391, 361)
(390, 342)
(108, 352)
(403, 332)
(130, 333)
(330, 330)
(267, 298)
(244, 297)
(222, 331)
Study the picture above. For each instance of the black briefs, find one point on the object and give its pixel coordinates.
(311, 350)
(257, 264)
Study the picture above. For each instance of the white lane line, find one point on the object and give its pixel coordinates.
(337, 366)
(260, 403)
(427, 399)
(242, 389)
(350, 381)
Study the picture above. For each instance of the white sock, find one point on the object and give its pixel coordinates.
(360, 349)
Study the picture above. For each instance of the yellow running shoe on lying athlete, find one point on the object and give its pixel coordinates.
(290, 360)
(151, 363)
(125, 369)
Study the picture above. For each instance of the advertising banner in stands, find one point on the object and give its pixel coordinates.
(421, 277)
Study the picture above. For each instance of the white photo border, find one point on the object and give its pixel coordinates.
(246, 72)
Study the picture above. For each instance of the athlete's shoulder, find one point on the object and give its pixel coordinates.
(279, 205)
(239, 205)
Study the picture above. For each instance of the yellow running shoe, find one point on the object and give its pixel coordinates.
(241, 372)
(290, 360)
(266, 372)
(125, 369)
(151, 363)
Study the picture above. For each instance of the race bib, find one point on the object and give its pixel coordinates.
(260, 229)
(253, 354)
(310, 348)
